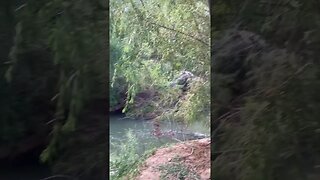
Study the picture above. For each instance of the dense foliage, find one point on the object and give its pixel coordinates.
(265, 89)
(155, 41)
(55, 71)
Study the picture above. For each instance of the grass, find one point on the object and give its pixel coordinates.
(177, 170)
(125, 163)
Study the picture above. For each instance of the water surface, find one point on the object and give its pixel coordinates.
(143, 130)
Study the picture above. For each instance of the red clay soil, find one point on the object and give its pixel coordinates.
(195, 155)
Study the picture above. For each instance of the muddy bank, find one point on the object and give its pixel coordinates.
(187, 160)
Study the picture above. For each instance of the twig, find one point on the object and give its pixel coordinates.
(49, 122)
(59, 176)
(20, 7)
(175, 30)
(191, 152)
(176, 139)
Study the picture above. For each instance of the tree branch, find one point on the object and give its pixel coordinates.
(162, 26)
(188, 35)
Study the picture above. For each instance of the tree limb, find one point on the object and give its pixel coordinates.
(188, 35)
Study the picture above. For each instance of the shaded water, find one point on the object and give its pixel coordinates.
(143, 130)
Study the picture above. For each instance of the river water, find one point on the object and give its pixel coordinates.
(174, 132)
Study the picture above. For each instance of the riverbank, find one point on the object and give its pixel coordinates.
(132, 142)
(168, 131)
(187, 160)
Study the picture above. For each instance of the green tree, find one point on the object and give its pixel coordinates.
(265, 106)
(159, 39)
(59, 68)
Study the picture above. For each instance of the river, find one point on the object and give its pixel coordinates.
(143, 130)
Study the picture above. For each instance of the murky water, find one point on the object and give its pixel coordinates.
(143, 130)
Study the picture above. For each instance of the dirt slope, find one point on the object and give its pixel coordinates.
(188, 160)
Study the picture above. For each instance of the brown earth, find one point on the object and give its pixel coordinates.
(194, 155)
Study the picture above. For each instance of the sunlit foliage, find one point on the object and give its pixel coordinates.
(159, 39)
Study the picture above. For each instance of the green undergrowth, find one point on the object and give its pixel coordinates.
(126, 161)
(177, 170)
(151, 48)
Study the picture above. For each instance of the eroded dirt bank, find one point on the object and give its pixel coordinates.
(186, 160)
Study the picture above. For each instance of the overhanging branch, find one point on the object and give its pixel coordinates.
(180, 32)
(165, 27)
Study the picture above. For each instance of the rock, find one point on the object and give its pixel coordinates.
(183, 79)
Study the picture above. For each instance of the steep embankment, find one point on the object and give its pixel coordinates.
(187, 160)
